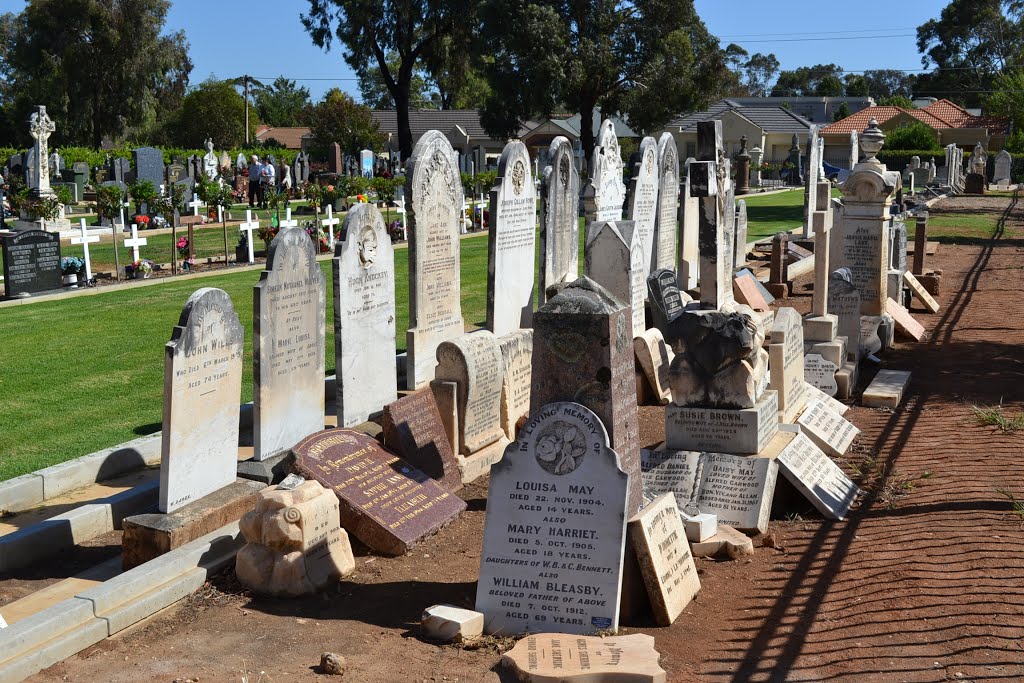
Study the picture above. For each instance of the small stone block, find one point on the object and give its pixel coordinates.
(151, 535)
(833, 351)
(701, 527)
(557, 658)
(932, 283)
(746, 292)
(846, 379)
(448, 623)
(270, 470)
(820, 328)
(905, 322)
(778, 290)
(727, 542)
(886, 389)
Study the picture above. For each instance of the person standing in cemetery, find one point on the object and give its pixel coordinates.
(255, 187)
(266, 180)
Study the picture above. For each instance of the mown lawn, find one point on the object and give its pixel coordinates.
(769, 214)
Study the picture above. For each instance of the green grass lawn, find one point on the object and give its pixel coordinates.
(769, 214)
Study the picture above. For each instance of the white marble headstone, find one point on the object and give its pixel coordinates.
(643, 199)
(559, 226)
(665, 222)
(820, 480)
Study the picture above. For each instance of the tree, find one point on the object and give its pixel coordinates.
(647, 59)
(375, 93)
(856, 86)
(413, 29)
(282, 103)
(915, 136)
(807, 80)
(968, 45)
(338, 118)
(888, 82)
(896, 101)
(829, 85)
(84, 60)
(759, 72)
(1007, 98)
(213, 109)
(841, 112)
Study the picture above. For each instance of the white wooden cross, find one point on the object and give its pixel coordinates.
(329, 223)
(220, 213)
(162, 187)
(400, 203)
(462, 223)
(84, 239)
(195, 204)
(288, 222)
(247, 227)
(124, 205)
(135, 242)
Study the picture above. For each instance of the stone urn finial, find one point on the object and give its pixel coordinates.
(871, 141)
(743, 153)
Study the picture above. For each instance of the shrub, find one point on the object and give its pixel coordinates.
(915, 136)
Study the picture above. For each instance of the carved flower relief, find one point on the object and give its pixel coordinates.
(563, 170)
(518, 177)
(649, 161)
(560, 448)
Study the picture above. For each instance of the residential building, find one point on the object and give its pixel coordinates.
(770, 129)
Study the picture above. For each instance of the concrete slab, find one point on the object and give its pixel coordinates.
(886, 389)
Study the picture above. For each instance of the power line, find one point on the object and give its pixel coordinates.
(824, 33)
(808, 40)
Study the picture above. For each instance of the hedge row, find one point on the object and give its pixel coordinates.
(98, 157)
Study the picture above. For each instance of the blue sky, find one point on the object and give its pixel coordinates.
(264, 38)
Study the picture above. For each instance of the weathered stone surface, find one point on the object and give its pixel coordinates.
(559, 224)
(709, 180)
(886, 389)
(905, 322)
(555, 658)
(202, 393)
(474, 363)
(517, 359)
(659, 540)
(655, 358)
(742, 431)
(829, 431)
(332, 664)
(740, 235)
(364, 318)
(820, 480)
(1001, 172)
(605, 193)
(289, 304)
(295, 545)
(727, 542)
(747, 293)
(666, 300)
(665, 222)
(384, 502)
(414, 430)
(614, 259)
(786, 362)
(844, 303)
(930, 304)
(642, 201)
(435, 308)
(563, 455)
(448, 623)
(583, 352)
(820, 373)
(510, 245)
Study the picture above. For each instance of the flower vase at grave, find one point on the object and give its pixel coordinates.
(71, 279)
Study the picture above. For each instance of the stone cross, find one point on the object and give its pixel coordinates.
(778, 283)
(124, 205)
(135, 242)
(247, 227)
(84, 239)
(288, 222)
(195, 204)
(40, 127)
(822, 224)
(329, 224)
(709, 180)
(920, 243)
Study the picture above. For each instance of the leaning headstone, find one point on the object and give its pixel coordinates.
(554, 658)
(820, 373)
(828, 430)
(844, 303)
(655, 358)
(666, 299)
(659, 541)
(510, 244)
(666, 220)
(289, 304)
(583, 352)
(820, 480)
(435, 307)
(555, 531)
(364, 317)
(786, 362)
(614, 259)
(1004, 162)
(413, 429)
(386, 503)
(202, 392)
(149, 165)
(517, 359)
(31, 262)
(605, 192)
(643, 199)
(559, 223)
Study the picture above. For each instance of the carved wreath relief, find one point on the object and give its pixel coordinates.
(560, 448)
(518, 177)
(563, 170)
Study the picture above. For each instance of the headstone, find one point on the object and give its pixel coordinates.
(742, 431)
(386, 503)
(820, 373)
(1004, 163)
(854, 149)
(786, 362)
(510, 244)
(605, 192)
(40, 127)
(366, 163)
(844, 303)
(583, 352)
(659, 541)
(666, 299)
(31, 262)
(709, 180)
(655, 358)
(517, 360)
(289, 304)
(202, 392)
(930, 304)
(643, 199)
(435, 307)
(817, 477)
(559, 223)
(122, 170)
(413, 429)
(149, 165)
(665, 223)
(614, 259)
(364, 317)
(829, 431)
(554, 658)
(175, 173)
(740, 235)
(80, 176)
(905, 322)
(555, 531)
(687, 265)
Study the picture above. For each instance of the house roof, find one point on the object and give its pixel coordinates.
(422, 120)
(951, 113)
(769, 119)
(938, 115)
(570, 126)
(859, 121)
(290, 136)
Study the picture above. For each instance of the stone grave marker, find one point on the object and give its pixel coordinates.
(786, 362)
(655, 358)
(643, 199)
(709, 179)
(905, 322)
(829, 431)
(820, 373)
(666, 299)
(413, 429)
(364, 317)
(473, 362)
(435, 307)
(149, 165)
(667, 566)
(666, 219)
(202, 392)
(510, 244)
(583, 352)
(687, 265)
(289, 304)
(559, 224)
(678, 472)
(555, 531)
(930, 304)
(385, 502)
(555, 658)
(817, 477)
(614, 259)
(740, 235)
(744, 431)
(31, 262)
(605, 192)
(844, 303)
(1001, 173)
(517, 359)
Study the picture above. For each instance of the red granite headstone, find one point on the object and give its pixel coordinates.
(413, 429)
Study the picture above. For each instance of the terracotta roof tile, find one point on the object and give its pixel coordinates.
(859, 121)
(290, 137)
(949, 113)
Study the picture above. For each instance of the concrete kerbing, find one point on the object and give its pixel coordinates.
(21, 493)
(70, 626)
(105, 464)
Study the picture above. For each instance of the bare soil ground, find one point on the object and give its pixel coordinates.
(923, 582)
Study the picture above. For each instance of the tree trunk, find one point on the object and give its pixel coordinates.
(401, 96)
(587, 133)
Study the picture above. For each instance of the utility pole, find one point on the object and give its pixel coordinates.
(245, 85)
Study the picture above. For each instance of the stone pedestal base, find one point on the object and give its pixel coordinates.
(931, 282)
(151, 535)
(846, 380)
(975, 184)
(820, 328)
(473, 466)
(833, 351)
(270, 470)
(779, 290)
(719, 430)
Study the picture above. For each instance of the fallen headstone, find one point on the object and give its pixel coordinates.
(556, 658)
